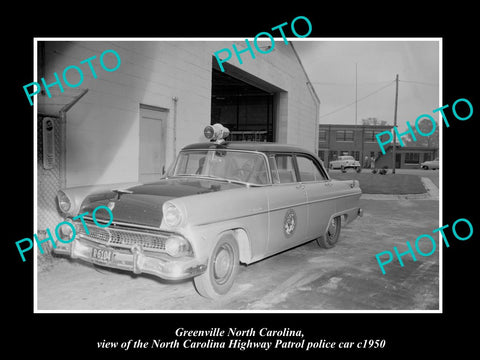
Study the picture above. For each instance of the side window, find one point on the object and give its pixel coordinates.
(308, 170)
(273, 169)
(282, 169)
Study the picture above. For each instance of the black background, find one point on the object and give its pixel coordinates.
(409, 334)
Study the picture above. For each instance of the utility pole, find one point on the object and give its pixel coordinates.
(395, 124)
(356, 88)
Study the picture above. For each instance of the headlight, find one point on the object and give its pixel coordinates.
(172, 215)
(177, 246)
(67, 232)
(64, 202)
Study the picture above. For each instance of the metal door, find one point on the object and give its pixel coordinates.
(398, 161)
(152, 143)
(320, 192)
(288, 217)
(287, 200)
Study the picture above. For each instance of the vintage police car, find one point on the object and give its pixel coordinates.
(220, 204)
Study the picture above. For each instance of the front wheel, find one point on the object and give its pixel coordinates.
(329, 240)
(221, 269)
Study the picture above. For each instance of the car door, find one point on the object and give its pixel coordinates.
(287, 205)
(321, 194)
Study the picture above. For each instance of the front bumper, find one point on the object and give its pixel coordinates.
(134, 259)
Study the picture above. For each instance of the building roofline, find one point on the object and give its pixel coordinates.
(386, 127)
(410, 148)
(305, 72)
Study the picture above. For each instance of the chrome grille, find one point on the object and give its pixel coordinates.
(123, 237)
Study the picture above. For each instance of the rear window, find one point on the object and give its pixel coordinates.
(308, 170)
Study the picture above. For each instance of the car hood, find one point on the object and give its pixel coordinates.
(142, 204)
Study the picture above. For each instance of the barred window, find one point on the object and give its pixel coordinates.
(370, 135)
(344, 135)
(322, 135)
(412, 158)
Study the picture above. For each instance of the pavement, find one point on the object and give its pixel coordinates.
(306, 278)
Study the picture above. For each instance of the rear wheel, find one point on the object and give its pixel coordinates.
(329, 240)
(221, 269)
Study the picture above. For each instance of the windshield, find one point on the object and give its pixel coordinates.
(222, 164)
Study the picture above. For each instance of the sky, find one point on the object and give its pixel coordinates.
(330, 64)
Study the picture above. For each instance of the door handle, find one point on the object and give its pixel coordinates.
(300, 186)
(328, 183)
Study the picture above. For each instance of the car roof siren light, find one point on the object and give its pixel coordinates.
(216, 132)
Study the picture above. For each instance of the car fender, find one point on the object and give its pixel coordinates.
(347, 216)
(211, 214)
(204, 238)
(348, 202)
(243, 241)
(79, 196)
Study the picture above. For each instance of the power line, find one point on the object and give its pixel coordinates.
(335, 83)
(354, 102)
(326, 83)
(418, 82)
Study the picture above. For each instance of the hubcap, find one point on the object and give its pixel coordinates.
(332, 228)
(222, 265)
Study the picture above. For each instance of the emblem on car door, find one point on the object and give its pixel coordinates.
(289, 223)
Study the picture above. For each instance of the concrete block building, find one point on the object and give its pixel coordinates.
(126, 125)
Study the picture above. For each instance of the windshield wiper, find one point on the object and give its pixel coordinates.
(213, 177)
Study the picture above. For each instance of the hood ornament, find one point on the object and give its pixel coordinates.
(111, 205)
(122, 191)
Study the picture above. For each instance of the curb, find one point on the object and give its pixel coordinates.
(431, 194)
(424, 196)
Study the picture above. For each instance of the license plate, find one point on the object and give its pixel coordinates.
(101, 255)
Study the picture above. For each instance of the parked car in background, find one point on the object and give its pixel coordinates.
(220, 204)
(432, 164)
(345, 162)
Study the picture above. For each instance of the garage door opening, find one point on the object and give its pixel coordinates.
(246, 110)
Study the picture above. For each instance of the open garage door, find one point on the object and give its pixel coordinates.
(246, 110)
